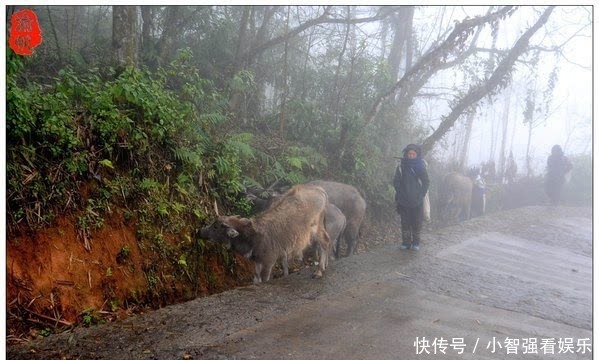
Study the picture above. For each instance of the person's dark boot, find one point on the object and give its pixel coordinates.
(406, 239)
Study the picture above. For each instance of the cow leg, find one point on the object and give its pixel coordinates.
(338, 245)
(323, 254)
(333, 247)
(257, 273)
(351, 243)
(454, 213)
(326, 249)
(285, 263)
(266, 271)
(332, 252)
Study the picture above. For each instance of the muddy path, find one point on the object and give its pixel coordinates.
(524, 272)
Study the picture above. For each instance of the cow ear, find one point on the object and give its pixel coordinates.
(232, 233)
(228, 221)
(244, 221)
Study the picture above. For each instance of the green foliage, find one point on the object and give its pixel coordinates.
(124, 254)
(151, 143)
(143, 128)
(243, 81)
(114, 305)
(91, 317)
(46, 332)
(291, 165)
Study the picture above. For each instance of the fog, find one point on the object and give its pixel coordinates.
(563, 118)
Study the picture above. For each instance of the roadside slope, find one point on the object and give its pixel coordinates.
(521, 273)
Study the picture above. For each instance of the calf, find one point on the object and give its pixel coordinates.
(285, 229)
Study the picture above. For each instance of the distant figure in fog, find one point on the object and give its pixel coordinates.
(558, 166)
(511, 169)
(487, 171)
(411, 185)
(479, 190)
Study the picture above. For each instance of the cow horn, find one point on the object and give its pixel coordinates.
(232, 233)
(216, 208)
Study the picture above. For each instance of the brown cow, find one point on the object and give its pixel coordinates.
(285, 229)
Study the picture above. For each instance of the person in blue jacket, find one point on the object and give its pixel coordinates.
(411, 185)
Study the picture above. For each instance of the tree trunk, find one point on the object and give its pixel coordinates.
(466, 143)
(283, 119)
(506, 120)
(53, 28)
(125, 36)
(528, 164)
(409, 34)
(304, 88)
(402, 29)
(169, 34)
(242, 39)
(336, 90)
(147, 31)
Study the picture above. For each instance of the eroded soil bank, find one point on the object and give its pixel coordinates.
(518, 272)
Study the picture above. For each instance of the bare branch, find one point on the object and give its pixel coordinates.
(322, 19)
(436, 57)
(498, 77)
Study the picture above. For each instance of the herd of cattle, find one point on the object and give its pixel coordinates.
(319, 214)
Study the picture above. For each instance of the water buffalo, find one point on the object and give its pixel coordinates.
(345, 198)
(261, 204)
(290, 225)
(455, 198)
(348, 199)
(334, 219)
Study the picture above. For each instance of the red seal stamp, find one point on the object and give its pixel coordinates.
(25, 32)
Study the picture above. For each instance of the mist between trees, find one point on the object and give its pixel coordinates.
(203, 101)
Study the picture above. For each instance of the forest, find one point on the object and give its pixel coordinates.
(130, 125)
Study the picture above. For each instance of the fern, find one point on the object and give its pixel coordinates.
(296, 162)
(188, 157)
(212, 119)
(149, 185)
(241, 144)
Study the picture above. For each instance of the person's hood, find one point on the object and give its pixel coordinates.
(412, 147)
(556, 150)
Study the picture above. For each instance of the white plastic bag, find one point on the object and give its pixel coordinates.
(426, 206)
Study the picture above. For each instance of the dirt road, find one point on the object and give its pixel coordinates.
(515, 284)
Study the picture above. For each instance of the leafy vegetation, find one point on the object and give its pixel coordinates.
(148, 144)
(130, 133)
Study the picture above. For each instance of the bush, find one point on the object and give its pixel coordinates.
(163, 126)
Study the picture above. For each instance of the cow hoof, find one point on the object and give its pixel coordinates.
(317, 275)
